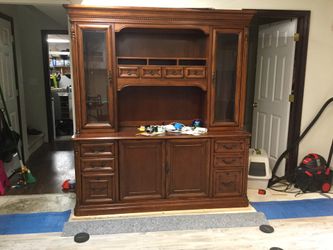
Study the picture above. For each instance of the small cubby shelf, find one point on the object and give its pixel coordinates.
(182, 61)
(161, 71)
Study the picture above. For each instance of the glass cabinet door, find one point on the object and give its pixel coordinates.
(226, 77)
(96, 80)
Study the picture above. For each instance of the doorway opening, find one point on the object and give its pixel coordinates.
(263, 65)
(58, 84)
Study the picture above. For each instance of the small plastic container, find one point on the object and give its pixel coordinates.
(259, 170)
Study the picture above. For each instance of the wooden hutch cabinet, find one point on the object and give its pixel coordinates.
(144, 66)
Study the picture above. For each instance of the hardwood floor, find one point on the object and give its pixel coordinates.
(51, 164)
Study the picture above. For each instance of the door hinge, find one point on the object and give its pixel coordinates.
(296, 37)
(291, 98)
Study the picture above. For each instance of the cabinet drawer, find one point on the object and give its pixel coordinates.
(104, 164)
(128, 72)
(228, 146)
(228, 182)
(151, 72)
(228, 160)
(173, 72)
(195, 72)
(97, 149)
(98, 188)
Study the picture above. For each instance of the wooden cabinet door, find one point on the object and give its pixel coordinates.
(187, 168)
(141, 169)
(226, 77)
(94, 85)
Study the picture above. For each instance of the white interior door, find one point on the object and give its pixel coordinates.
(7, 73)
(275, 61)
(7, 82)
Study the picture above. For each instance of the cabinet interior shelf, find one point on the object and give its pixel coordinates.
(162, 61)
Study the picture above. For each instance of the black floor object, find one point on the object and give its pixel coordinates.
(81, 237)
(266, 229)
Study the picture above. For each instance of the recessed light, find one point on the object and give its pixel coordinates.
(56, 40)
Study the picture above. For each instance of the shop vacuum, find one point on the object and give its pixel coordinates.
(314, 173)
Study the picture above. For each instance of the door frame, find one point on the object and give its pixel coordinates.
(47, 89)
(11, 20)
(295, 115)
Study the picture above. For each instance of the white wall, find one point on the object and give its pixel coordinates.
(319, 70)
(28, 23)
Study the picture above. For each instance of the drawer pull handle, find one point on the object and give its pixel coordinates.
(98, 190)
(98, 150)
(226, 183)
(101, 165)
(229, 161)
(228, 146)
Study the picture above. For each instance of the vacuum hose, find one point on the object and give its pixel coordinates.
(275, 179)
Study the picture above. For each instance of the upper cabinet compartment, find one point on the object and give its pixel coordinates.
(96, 91)
(161, 57)
(226, 77)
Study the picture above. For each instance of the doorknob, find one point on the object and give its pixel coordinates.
(255, 105)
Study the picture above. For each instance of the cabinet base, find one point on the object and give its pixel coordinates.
(160, 205)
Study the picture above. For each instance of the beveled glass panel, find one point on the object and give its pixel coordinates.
(225, 73)
(96, 76)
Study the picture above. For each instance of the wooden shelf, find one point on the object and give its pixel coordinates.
(179, 61)
(139, 82)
